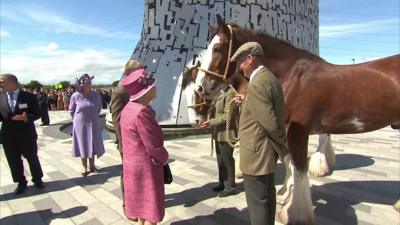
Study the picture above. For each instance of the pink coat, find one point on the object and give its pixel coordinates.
(143, 158)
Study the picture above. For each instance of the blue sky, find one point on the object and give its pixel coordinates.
(56, 40)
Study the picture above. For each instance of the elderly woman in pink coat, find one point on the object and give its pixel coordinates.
(144, 152)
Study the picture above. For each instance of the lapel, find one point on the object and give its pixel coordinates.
(4, 107)
(17, 102)
(219, 96)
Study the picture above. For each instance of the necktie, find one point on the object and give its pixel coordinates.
(11, 102)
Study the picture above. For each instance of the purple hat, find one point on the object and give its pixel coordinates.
(85, 78)
(138, 83)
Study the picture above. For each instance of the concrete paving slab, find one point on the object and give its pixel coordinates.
(361, 189)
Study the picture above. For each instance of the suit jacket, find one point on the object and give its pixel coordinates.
(119, 98)
(43, 99)
(221, 105)
(261, 126)
(19, 130)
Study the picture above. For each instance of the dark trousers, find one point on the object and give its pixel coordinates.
(44, 115)
(261, 198)
(14, 150)
(226, 165)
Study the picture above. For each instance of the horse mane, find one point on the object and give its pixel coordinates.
(274, 40)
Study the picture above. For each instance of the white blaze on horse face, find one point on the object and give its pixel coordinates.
(206, 60)
(191, 100)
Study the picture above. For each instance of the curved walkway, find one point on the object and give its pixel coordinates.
(360, 191)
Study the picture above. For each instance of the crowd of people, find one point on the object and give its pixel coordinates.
(141, 143)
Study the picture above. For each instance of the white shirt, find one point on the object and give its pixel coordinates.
(14, 98)
(253, 74)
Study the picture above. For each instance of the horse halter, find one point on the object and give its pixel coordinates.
(203, 102)
(223, 77)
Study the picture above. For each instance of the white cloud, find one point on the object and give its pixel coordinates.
(50, 21)
(4, 33)
(341, 30)
(106, 66)
(52, 46)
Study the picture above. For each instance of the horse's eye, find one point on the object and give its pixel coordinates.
(217, 49)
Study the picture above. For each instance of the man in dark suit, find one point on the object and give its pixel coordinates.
(43, 100)
(18, 111)
(261, 132)
(119, 98)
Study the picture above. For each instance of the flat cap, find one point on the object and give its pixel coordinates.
(249, 47)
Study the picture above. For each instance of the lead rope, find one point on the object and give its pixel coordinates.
(228, 121)
(212, 138)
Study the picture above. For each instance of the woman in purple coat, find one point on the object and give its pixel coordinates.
(84, 107)
(144, 152)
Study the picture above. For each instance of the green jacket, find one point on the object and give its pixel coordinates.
(262, 125)
(220, 105)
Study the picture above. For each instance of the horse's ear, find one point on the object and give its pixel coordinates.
(211, 32)
(220, 22)
(211, 29)
(198, 64)
(222, 26)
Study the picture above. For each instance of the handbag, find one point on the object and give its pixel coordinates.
(167, 174)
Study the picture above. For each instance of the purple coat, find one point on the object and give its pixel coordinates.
(86, 134)
(143, 158)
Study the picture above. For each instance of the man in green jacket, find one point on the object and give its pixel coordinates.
(261, 132)
(225, 160)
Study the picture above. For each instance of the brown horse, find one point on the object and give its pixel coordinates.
(198, 104)
(321, 98)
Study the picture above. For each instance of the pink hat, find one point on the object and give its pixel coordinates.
(138, 83)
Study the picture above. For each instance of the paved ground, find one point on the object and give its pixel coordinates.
(361, 190)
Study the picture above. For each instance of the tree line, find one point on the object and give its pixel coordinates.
(34, 84)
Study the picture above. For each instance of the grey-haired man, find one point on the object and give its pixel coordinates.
(261, 132)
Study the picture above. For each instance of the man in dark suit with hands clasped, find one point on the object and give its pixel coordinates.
(18, 111)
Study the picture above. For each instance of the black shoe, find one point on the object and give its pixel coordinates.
(39, 184)
(218, 188)
(226, 193)
(20, 188)
(42, 124)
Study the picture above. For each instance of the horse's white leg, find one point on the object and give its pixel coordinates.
(283, 195)
(322, 162)
(299, 209)
(396, 205)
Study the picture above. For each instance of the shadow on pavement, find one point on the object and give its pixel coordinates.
(46, 216)
(351, 161)
(61, 182)
(341, 209)
(231, 216)
(191, 197)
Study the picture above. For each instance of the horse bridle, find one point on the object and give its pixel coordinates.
(202, 98)
(223, 77)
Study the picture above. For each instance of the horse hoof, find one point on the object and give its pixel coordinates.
(318, 165)
(396, 206)
(284, 219)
